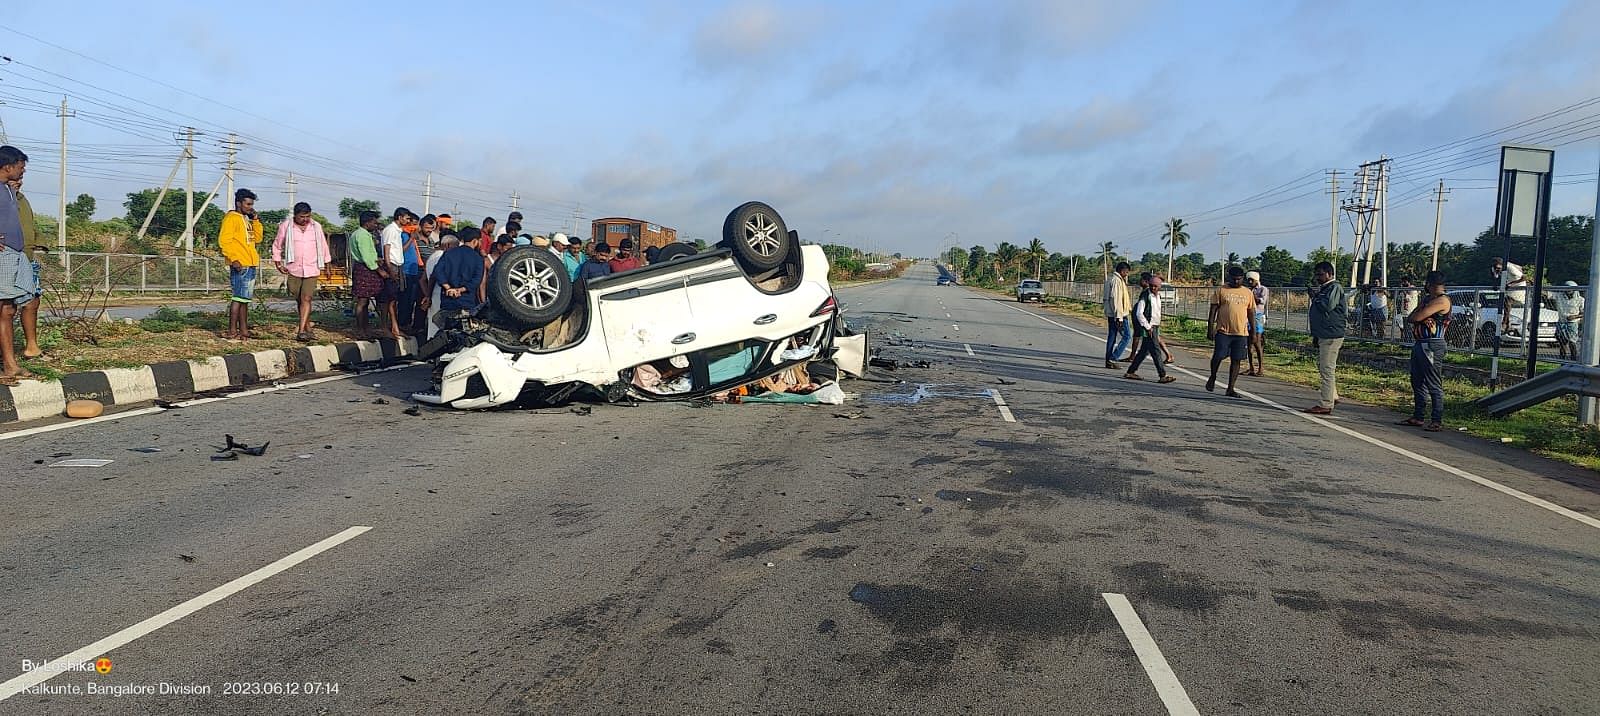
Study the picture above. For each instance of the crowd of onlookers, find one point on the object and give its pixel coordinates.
(406, 270)
(1236, 324)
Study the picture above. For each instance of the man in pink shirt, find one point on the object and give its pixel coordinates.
(299, 253)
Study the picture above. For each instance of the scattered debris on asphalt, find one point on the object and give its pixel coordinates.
(852, 415)
(60, 454)
(380, 401)
(186, 557)
(413, 410)
(582, 409)
(82, 462)
(254, 451)
(1003, 381)
(233, 449)
(303, 457)
(168, 405)
(145, 449)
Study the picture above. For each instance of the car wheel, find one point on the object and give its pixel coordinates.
(756, 234)
(675, 251)
(530, 285)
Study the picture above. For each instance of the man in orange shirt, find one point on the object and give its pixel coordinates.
(1229, 327)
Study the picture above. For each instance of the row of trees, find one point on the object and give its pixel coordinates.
(1567, 258)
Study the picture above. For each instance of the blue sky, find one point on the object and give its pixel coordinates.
(888, 125)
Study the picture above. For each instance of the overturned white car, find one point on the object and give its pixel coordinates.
(688, 326)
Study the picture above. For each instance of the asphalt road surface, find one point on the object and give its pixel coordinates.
(1073, 543)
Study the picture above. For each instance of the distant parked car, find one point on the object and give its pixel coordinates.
(1475, 320)
(1030, 290)
(945, 281)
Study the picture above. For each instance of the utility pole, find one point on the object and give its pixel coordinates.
(1362, 210)
(1333, 216)
(1438, 214)
(514, 201)
(427, 195)
(1589, 408)
(188, 199)
(1222, 237)
(3, 138)
(1383, 214)
(290, 184)
(61, 218)
(231, 145)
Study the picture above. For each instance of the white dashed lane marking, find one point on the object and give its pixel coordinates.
(1155, 665)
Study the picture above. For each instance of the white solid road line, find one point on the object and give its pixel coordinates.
(25, 432)
(1396, 449)
(1155, 665)
(104, 646)
(1005, 410)
(969, 349)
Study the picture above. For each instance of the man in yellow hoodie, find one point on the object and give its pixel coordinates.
(237, 239)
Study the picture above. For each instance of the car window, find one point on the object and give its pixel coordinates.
(1031, 284)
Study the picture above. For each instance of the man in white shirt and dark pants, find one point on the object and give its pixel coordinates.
(1147, 312)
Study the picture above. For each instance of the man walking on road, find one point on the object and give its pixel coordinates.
(1230, 328)
(237, 239)
(299, 252)
(1114, 297)
(1147, 313)
(1327, 315)
(1258, 318)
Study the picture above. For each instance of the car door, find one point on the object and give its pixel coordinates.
(646, 320)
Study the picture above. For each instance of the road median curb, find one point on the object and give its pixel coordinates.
(34, 399)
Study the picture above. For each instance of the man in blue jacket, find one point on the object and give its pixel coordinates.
(459, 274)
(1328, 312)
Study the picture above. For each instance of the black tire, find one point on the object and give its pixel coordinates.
(530, 286)
(675, 251)
(756, 234)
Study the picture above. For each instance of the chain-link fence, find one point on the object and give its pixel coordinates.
(1481, 316)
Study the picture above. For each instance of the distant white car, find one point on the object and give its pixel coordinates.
(1476, 320)
(1030, 290)
(693, 325)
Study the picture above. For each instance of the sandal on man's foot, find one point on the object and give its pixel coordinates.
(1434, 427)
(1413, 422)
(1132, 376)
(1167, 379)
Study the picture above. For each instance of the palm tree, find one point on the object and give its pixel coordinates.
(1177, 236)
(1007, 254)
(1037, 252)
(1108, 252)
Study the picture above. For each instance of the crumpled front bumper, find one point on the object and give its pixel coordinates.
(480, 376)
